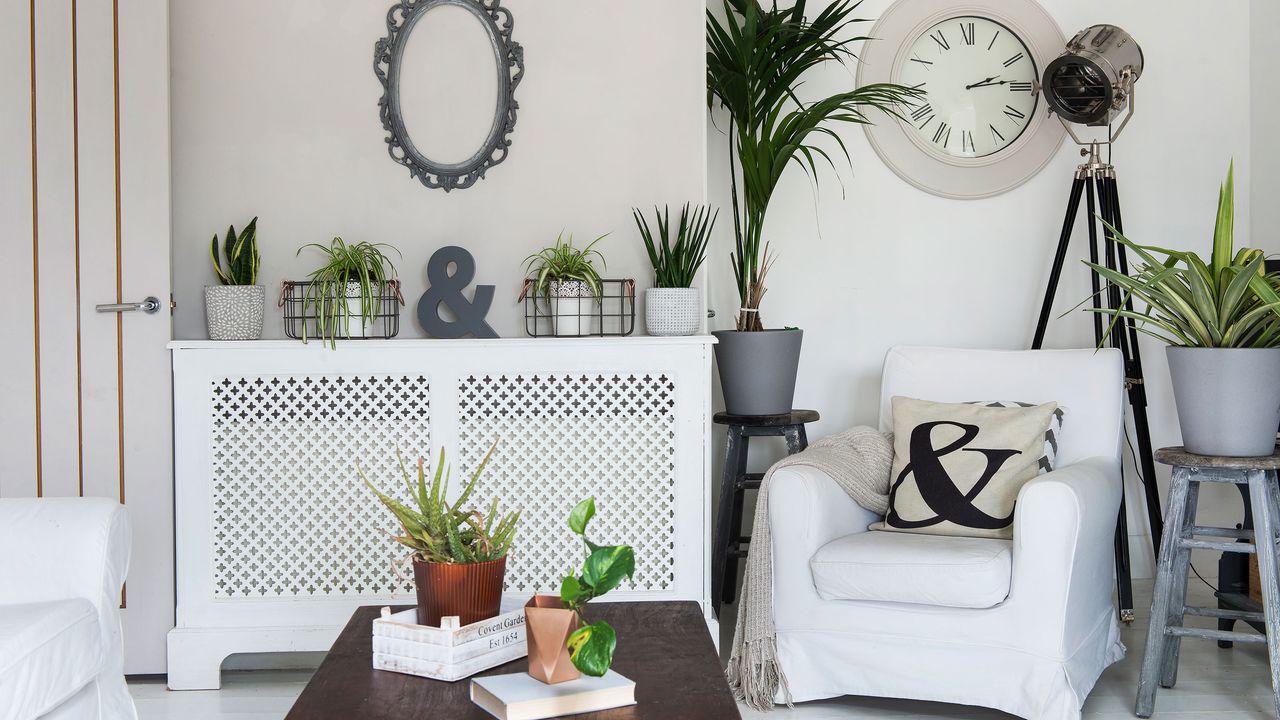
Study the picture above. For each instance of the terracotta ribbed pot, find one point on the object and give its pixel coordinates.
(472, 591)
(547, 627)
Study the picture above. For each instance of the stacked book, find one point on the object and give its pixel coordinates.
(449, 652)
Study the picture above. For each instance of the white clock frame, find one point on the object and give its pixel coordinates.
(959, 177)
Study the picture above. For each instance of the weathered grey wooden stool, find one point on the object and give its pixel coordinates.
(1169, 601)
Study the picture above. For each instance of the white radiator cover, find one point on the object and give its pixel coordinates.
(278, 541)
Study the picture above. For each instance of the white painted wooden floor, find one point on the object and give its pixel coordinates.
(1213, 684)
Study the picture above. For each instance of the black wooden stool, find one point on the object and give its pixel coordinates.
(729, 543)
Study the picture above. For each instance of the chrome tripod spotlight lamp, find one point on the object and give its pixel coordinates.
(1091, 82)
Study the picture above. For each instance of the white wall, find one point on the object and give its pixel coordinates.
(1264, 108)
(889, 264)
(275, 114)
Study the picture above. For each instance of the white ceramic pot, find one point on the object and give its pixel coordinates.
(234, 312)
(672, 311)
(355, 325)
(573, 308)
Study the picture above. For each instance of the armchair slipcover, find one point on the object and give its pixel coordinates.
(1037, 652)
(62, 563)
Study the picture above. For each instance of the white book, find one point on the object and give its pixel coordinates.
(519, 696)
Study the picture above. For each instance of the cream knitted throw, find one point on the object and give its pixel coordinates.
(859, 461)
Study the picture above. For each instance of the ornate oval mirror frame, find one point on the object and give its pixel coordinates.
(388, 54)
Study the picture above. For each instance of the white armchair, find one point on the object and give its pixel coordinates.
(1030, 639)
(62, 563)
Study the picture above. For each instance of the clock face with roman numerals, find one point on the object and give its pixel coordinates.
(978, 77)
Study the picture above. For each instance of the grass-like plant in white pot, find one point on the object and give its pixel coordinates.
(234, 308)
(566, 279)
(349, 295)
(673, 306)
(1221, 320)
(756, 58)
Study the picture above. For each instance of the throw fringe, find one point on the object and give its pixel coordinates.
(758, 682)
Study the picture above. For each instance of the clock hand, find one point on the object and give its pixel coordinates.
(987, 84)
(981, 83)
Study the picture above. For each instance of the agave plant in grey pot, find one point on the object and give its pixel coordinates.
(1221, 320)
(756, 57)
(234, 308)
(673, 306)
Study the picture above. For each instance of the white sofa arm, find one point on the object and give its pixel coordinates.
(807, 510)
(1063, 552)
(60, 548)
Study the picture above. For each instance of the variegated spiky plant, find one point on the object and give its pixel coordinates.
(438, 531)
(242, 256)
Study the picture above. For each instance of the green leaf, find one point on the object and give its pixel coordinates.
(605, 568)
(581, 515)
(572, 593)
(591, 648)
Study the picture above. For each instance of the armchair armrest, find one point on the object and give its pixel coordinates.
(807, 510)
(1063, 551)
(60, 548)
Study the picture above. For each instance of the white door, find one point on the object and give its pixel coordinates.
(84, 220)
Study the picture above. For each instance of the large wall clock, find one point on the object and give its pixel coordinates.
(981, 127)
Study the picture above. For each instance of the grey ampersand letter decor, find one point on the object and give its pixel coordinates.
(446, 288)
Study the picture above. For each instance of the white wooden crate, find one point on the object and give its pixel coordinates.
(451, 651)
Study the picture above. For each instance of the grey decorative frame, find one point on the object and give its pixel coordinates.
(388, 53)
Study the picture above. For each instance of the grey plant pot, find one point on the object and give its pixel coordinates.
(1228, 399)
(234, 312)
(758, 370)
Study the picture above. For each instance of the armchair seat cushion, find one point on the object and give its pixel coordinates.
(960, 572)
(48, 651)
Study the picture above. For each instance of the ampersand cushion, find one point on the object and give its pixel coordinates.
(957, 468)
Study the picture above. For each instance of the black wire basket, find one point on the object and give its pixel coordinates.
(302, 314)
(610, 314)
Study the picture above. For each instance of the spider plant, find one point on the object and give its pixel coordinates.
(675, 264)
(363, 264)
(241, 251)
(756, 56)
(563, 262)
(437, 531)
(1229, 302)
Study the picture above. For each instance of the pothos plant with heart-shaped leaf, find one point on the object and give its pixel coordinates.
(591, 646)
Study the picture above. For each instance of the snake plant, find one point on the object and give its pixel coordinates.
(438, 531)
(241, 253)
(675, 264)
(1228, 302)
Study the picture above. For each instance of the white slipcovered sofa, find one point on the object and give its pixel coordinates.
(62, 563)
(1024, 626)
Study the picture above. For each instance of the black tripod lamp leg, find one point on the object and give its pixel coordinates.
(1059, 257)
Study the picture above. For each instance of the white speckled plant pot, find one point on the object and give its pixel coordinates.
(234, 312)
(672, 311)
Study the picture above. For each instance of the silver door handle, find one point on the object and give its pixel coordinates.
(149, 306)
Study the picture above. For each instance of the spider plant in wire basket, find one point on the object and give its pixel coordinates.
(672, 306)
(567, 280)
(351, 286)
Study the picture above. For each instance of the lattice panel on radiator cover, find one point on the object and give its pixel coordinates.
(561, 438)
(290, 515)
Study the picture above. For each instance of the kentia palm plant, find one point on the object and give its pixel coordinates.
(672, 306)
(756, 58)
(1221, 320)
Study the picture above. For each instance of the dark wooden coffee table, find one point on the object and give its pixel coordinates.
(663, 646)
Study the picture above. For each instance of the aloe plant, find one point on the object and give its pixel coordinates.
(756, 57)
(438, 531)
(241, 253)
(561, 262)
(591, 646)
(675, 263)
(1229, 302)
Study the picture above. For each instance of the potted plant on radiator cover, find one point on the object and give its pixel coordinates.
(348, 293)
(567, 280)
(234, 308)
(459, 555)
(672, 306)
(756, 56)
(1221, 320)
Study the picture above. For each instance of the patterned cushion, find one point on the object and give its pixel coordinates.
(958, 467)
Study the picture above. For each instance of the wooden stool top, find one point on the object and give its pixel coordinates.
(795, 417)
(1180, 457)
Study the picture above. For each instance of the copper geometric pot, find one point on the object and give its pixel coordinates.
(472, 591)
(547, 627)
